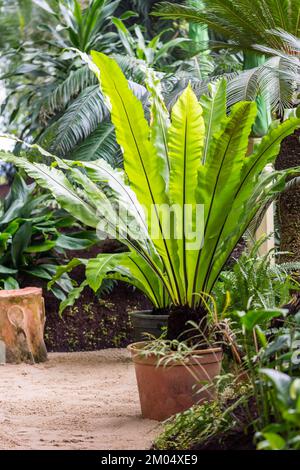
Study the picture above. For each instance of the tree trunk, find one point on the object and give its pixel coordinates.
(22, 321)
(288, 206)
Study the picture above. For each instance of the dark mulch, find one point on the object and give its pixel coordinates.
(93, 322)
(238, 438)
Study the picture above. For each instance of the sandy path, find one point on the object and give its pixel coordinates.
(74, 401)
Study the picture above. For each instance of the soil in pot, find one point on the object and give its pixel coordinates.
(179, 327)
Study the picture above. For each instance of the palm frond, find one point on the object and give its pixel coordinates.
(242, 22)
(174, 85)
(80, 120)
(276, 81)
(133, 68)
(77, 123)
(100, 144)
(81, 78)
(290, 47)
(67, 90)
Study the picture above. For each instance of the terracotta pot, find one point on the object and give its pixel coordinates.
(146, 322)
(170, 388)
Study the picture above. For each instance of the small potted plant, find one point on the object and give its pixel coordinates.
(173, 375)
(186, 196)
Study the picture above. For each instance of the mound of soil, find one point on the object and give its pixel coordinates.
(93, 323)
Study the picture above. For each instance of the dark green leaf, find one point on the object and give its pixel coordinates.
(20, 242)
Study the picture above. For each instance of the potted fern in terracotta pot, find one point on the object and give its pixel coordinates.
(186, 196)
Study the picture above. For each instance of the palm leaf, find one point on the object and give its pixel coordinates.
(243, 23)
(291, 44)
(133, 68)
(81, 118)
(79, 79)
(75, 82)
(100, 144)
(276, 81)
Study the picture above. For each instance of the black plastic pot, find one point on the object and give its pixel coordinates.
(145, 322)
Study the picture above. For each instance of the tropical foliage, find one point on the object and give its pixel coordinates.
(52, 97)
(32, 238)
(284, 394)
(272, 82)
(51, 78)
(154, 52)
(197, 156)
(243, 23)
(135, 119)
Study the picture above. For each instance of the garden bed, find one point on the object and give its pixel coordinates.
(93, 322)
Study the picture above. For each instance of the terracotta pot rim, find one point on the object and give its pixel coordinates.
(21, 292)
(132, 347)
(207, 356)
